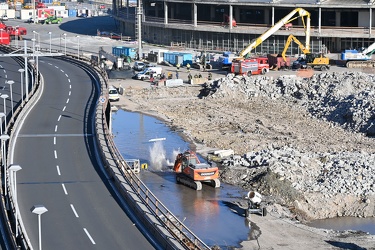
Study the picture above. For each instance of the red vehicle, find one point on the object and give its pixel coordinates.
(4, 38)
(250, 66)
(14, 32)
(40, 5)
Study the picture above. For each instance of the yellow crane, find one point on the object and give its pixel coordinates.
(302, 13)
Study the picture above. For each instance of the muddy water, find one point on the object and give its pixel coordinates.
(212, 214)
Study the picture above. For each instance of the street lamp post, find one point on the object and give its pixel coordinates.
(11, 82)
(32, 61)
(50, 41)
(78, 46)
(39, 210)
(5, 96)
(65, 43)
(14, 168)
(21, 71)
(1, 122)
(4, 138)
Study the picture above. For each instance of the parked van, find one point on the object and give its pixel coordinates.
(113, 94)
(146, 74)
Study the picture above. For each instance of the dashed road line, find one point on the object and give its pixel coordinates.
(58, 170)
(59, 118)
(63, 186)
(74, 211)
(55, 154)
(88, 235)
(56, 128)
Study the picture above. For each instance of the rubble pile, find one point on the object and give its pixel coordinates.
(347, 99)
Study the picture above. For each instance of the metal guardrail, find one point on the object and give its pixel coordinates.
(175, 234)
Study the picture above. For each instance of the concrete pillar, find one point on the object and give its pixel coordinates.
(165, 12)
(320, 21)
(273, 15)
(195, 14)
(230, 17)
(338, 18)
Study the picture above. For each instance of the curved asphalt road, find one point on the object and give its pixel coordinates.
(55, 150)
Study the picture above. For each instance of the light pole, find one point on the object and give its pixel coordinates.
(39, 210)
(78, 46)
(21, 71)
(65, 43)
(1, 122)
(36, 33)
(5, 96)
(4, 138)
(10, 82)
(33, 39)
(50, 41)
(32, 61)
(14, 168)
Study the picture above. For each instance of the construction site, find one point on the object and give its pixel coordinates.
(303, 134)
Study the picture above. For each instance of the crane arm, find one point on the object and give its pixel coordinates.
(287, 19)
(288, 41)
(369, 50)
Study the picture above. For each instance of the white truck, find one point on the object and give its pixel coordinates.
(146, 74)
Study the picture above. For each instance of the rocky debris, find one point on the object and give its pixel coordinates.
(319, 176)
(347, 99)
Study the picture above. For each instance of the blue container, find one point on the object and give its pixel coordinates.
(125, 51)
(72, 12)
(178, 57)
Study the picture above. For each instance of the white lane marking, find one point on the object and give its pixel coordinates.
(68, 80)
(55, 154)
(54, 140)
(70, 92)
(49, 63)
(64, 108)
(56, 67)
(56, 128)
(74, 211)
(6, 76)
(58, 170)
(67, 101)
(66, 192)
(59, 118)
(88, 235)
(62, 70)
(66, 75)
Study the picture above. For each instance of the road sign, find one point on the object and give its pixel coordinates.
(102, 99)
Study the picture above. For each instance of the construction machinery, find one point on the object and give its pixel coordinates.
(250, 66)
(52, 19)
(254, 200)
(15, 32)
(243, 55)
(202, 62)
(310, 61)
(192, 172)
(359, 58)
(287, 19)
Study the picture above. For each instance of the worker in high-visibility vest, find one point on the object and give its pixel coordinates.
(178, 66)
(188, 67)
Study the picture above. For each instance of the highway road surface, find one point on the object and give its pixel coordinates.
(56, 151)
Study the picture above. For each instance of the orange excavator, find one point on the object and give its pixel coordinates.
(191, 172)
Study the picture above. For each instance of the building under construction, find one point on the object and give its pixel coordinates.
(232, 25)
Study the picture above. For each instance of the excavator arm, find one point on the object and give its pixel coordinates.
(291, 38)
(287, 19)
(370, 50)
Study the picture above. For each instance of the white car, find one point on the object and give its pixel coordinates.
(4, 18)
(113, 94)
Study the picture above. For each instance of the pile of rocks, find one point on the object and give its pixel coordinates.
(318, 176)
(347, 98)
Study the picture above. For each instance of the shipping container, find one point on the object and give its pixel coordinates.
(72, 12)
(125, 51)
(178, 57)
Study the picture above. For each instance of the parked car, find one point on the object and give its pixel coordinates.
(113, 94)
(4, 18)
(139, 66)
